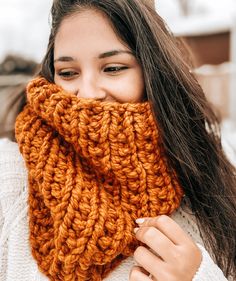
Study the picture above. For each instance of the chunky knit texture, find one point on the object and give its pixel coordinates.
(16, 262)
(94, 167)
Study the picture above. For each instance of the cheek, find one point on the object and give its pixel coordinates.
(137, 86)
(135, 92)
(68, 86)
(131, 89)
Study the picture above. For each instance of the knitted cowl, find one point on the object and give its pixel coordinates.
(93, 168)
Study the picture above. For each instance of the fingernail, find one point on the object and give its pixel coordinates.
(140, 220)
(136, 229)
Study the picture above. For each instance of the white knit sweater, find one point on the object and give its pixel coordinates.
(16, 262)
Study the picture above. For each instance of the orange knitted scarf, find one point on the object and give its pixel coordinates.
(94, 167)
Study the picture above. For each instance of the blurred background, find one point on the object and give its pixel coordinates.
(207, 27)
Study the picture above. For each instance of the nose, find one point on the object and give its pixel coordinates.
(91, 88)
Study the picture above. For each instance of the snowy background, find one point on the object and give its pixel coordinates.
(25, 25)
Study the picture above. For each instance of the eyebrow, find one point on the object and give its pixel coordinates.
(101, 56)
(64, 58)
(114, 53)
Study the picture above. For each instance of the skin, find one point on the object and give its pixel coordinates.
(173, 256)
(92, 62)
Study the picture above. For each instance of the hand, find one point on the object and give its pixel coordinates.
(171, 255)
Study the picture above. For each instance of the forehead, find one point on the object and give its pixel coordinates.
(89, 31)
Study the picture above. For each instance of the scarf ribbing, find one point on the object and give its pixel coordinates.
(93, 168)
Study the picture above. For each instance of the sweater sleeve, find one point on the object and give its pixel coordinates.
(16, 261)
(208, 270)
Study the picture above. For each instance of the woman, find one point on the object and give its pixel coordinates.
(116, 129)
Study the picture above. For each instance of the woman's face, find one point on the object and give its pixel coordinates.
(92, 62)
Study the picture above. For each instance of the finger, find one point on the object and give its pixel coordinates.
(168, 227)
(138, 274)
(150, 262)
(157, 241)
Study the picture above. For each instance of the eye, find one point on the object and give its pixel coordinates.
(115, 69)
(67, 74)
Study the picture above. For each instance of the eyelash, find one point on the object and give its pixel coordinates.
(67, 74)
(111, 69)
(115, 69)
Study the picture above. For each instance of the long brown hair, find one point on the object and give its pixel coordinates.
(190, 130)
